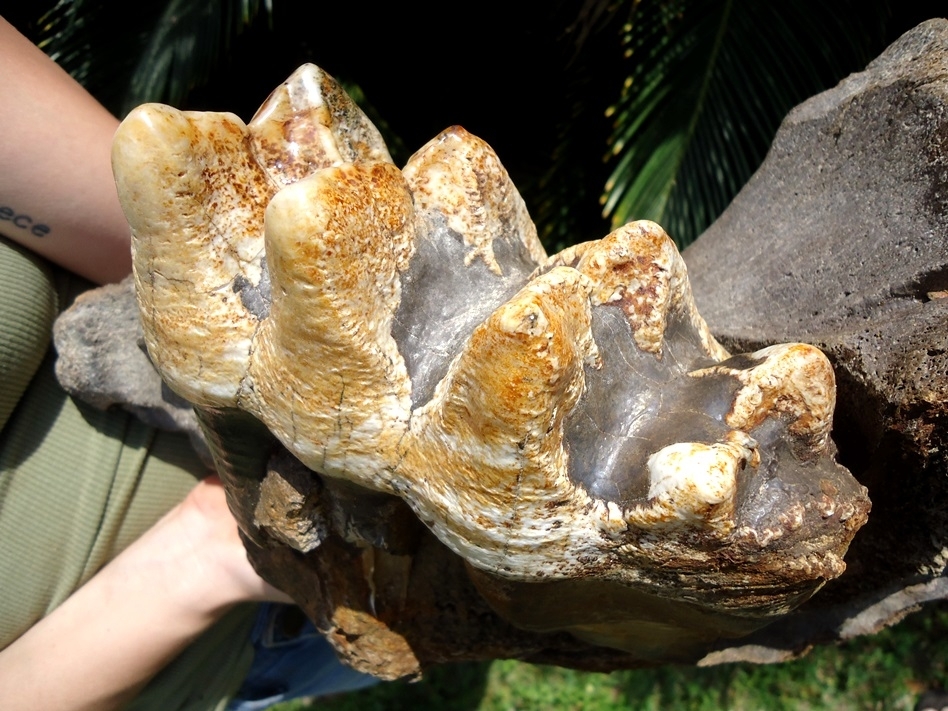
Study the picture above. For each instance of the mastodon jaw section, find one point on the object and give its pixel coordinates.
(563, 417)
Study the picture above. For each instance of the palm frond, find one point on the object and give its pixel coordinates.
(165, 47)
(76, 35)
(562, 193)
(184, 45)
(710, 83)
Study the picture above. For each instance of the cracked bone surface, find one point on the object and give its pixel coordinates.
(566, 426)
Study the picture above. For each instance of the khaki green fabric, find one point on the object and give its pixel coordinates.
(26, 320)
(77, 485)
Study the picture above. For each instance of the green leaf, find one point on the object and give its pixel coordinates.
(710, 82)
(184, 46)
(164, 48)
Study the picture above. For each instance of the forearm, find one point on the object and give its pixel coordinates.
(57, 195)
(100, 647)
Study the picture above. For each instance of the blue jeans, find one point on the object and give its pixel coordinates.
(291, 659)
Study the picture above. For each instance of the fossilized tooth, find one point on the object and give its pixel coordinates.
(335, 295)
(494, 433)
(550, 420)
(195, 186)
(639, 269)
(795, 380)
(459, 177)
(467, 210)
(197, 234)
(310, 123)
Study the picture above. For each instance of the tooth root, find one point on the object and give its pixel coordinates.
(639, 269)
(792, 379)
(195, 200)
(494, 430)
(335, 386)
(309, 123)
(459, 176)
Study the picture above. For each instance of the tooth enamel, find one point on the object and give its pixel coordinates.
(453, 167)
(549, 419)
(688, 479)
(309, 123)
(197, 226)
(334, 299)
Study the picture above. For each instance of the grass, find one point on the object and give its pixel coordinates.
(887, 671)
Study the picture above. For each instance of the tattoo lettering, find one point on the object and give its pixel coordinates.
(23, 222)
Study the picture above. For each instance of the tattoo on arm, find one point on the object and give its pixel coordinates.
(23, 222)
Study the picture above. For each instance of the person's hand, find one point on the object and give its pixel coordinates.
(217, 545)
(103, 644)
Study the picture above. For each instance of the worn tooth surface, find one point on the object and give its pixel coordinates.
(335, 244)
(563, 423)
(693, 483)
(459, 176)
(310, 123)
(638, 269)
(793, 379)
(486, 455)
(464, 202)
(195, 201)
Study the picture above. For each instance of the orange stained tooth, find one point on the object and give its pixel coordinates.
(328, 378)
(496, 419)
(270, 261)
(195, 199)
(309, 123)
(486, 454)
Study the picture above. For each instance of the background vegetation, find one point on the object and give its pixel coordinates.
(886, 672)
(602, 111)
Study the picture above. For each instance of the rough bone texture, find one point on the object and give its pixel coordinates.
(102, 361)
(446, 445)
(841, 239)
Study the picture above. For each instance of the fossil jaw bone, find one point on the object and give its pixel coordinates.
(549, 419)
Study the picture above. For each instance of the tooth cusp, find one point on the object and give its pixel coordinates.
(460, 177)
(691, 483)
(794, 381)
(309, 123)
